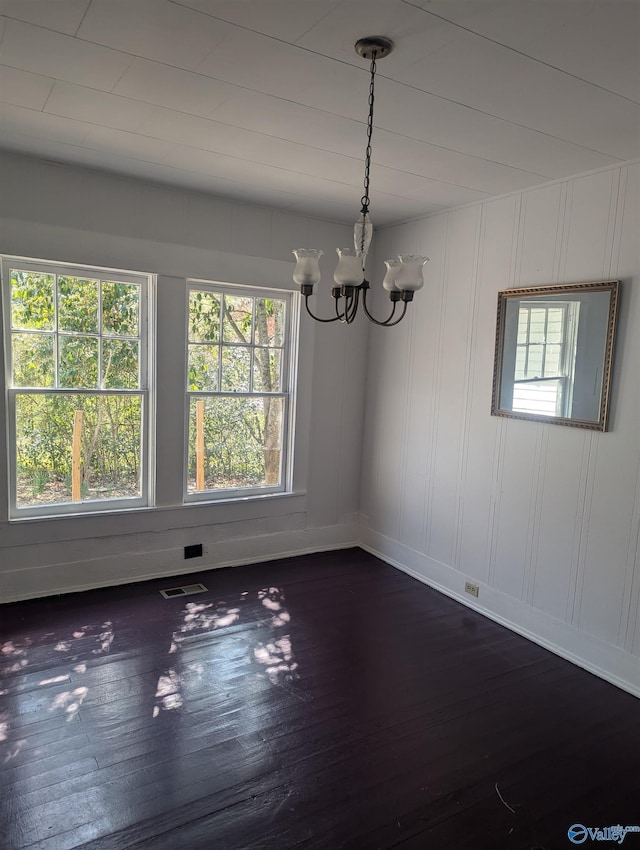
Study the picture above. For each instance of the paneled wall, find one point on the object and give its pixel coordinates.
(544, 518)
(54, 212)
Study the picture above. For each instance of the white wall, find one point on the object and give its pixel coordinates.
(55, 212)
(544, 518)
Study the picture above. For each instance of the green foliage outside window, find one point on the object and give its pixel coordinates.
(76, 353)
(71, 333)
(236, 346)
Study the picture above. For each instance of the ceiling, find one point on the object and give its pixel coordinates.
(266, 100)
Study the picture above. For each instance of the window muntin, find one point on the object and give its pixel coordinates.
(77, 388)
(238, 391)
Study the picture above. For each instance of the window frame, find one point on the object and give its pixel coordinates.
(146, 389)
(288, 367)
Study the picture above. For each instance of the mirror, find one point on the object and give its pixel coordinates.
(554, 351)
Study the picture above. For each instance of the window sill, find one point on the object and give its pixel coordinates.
(149, 519)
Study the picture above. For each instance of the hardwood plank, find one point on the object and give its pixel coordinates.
(327, 701)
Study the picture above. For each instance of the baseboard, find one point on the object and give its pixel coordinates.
(604, 660)
(58, 579)
(609, 662)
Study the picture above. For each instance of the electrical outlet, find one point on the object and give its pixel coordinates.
(194, 551)
(470, 587)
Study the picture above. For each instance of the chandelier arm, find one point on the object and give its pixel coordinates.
(353, 311)
(317, 318)
(389, 323)
(341, 316)
(388, 320)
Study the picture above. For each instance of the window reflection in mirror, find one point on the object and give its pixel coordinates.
(554, 348)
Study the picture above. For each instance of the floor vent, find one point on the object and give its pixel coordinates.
(187, 590)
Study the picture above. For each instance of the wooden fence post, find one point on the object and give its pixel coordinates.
(199, 445)
(76, 458)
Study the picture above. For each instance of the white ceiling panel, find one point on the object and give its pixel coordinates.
(314, 127)
(21, 88)
(42, 51)
(267, 99)
(513, 22)
(154, 30)
(500, 82)
(390, 181)
(251, 147)
(105, 140)
(258, 62)
(195, 132)
(46, 128)
(164, 85)
(278, 117)
(583, 46)
(596, 41)
(473, 132)
(286, 20)
(59, 15)
(449, 166)
(108, 110)
(270, 178)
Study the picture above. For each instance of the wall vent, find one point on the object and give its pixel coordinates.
(186, 590)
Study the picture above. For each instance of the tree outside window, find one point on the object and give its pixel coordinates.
(237, 386)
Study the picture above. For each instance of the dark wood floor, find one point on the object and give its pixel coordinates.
(327, 701)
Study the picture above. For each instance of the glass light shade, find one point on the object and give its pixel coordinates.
(409, 275)
(349, 269)
(362, 233)
(307, 270)
(389, 281)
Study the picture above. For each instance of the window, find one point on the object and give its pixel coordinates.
(238, 391)
(545, 358)
(78, 397)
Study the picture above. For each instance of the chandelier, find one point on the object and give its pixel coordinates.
(404, 272)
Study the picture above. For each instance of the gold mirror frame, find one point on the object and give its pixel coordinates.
(514, 347)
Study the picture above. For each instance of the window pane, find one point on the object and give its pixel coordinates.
(120, 364)
(32, 357)
(236, 321)
(552, 360)
(523, 325)
(204, 316)
(236, 369)
(534, 367)
(120, 308)
(266, 370)
(32, 305)
(203, 367)
(555, 326)
(521, 357)
(242, 440)
(537, 325)
(77, 361)
(269, 322)
(77, 305)
(537, 398)
(109, 437)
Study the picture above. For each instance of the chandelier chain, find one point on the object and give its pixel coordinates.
(367, 163)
